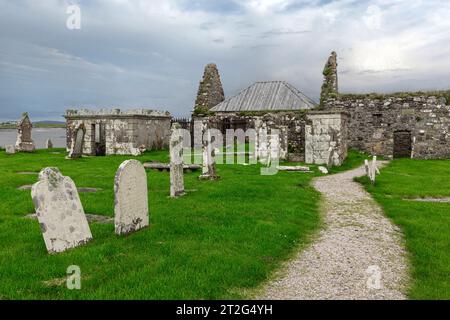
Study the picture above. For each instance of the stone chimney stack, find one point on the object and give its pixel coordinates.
(210, 92)
(330, 81)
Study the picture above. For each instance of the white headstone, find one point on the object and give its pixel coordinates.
(131, 198)
(209, 154)
(323, 170)
(10, 149)
(176, 161)
(59, 211)
(49, 144)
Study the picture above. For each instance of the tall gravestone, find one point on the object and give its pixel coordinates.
(176, 161)
(209, 161)
(77, 142)
(24, 142)
(59, 211)
(131, 198)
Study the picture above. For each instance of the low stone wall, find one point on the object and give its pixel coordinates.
(379, 125)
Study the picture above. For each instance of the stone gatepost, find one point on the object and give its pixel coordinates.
(176, 161)
(24, 142)
(59, 211)
(326, 137)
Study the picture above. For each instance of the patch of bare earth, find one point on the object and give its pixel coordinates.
(359, 253)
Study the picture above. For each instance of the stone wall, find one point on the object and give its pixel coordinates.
(119, 132)
(210, 91)
(291, 126)
(326, 137)
(378, 125)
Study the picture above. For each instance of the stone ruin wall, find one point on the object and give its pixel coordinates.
(122, 132)
(373, 122)
(290, 124)
(326, 138)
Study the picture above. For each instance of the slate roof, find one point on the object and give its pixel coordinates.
(266, 96)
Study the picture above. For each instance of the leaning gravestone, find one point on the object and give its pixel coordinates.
(131, 200)
(77, 142)
(10, 149)
(24, 143)
(59, 211)
(176, 161)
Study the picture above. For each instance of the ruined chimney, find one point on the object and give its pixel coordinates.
(210, 92)
(330, 81)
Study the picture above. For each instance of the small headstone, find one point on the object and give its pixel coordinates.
(176, 161)
(59, 211)
(24, 142)
(49, 144)
(131, 198)
(209, 161)
(10, 149)
(371, 169)
(323, 170)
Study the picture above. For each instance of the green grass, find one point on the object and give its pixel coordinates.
(221, 240)
(426, 225)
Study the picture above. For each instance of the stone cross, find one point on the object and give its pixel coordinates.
(59, 211)
(10, 149)
(24, 142)
(209, 153)
(49, 144)
(371, 169)
(176, 161)
(131, 198)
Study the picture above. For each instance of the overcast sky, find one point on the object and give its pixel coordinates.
(136, 53)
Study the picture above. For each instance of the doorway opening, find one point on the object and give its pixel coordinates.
(99, 139)
(402, 144)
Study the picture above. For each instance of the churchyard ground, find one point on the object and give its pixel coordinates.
(224, 239)
(425, 224)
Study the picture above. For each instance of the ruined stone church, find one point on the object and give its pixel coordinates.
(414, 125)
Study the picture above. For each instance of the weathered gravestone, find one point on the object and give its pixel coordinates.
(77, 142)
(59, 211)
(209, 154)
(24, 143)
(176, 161)
(49, 144)
(131, 200)
(10, 149)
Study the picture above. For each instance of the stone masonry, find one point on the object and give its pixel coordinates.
(109, 132)
(326, 138)
(384, 125)
(210, 91)
(330, 83)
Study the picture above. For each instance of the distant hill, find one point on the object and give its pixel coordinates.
(36, 124)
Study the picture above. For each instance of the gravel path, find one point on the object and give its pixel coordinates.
(359, 253)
